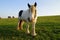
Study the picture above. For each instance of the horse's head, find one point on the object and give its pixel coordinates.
(32, 9)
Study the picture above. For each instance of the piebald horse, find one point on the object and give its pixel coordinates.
(30, 15)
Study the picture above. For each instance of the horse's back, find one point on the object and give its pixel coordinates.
(23, 15)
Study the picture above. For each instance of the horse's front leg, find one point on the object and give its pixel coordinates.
(33, 29)
(27, 28)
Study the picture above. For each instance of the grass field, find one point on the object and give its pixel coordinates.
(47, 28)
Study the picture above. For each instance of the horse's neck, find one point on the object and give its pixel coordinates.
(27, 11)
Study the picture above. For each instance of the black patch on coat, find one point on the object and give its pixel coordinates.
(29, 19)
(20, 13)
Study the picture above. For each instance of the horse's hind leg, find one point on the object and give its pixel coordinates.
(20, 24)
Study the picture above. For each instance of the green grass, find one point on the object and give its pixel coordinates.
(47, 28)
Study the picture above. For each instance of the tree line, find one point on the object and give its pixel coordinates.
(9, 17)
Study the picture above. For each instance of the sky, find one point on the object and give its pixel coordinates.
(44, 7)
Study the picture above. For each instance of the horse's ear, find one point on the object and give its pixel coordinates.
(29, 5)
(35, 4)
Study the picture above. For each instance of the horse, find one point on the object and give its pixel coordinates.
(29, 15)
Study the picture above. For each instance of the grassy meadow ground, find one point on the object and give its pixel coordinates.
(47, 28)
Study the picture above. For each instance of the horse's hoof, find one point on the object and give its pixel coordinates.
(34, 34)
(28, 32)
(21, 28)
(18, 29)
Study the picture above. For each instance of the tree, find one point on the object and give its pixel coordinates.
(13, 17)
(9, 16)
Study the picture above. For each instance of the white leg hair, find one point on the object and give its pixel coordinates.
(27, 28)
(33, 29)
